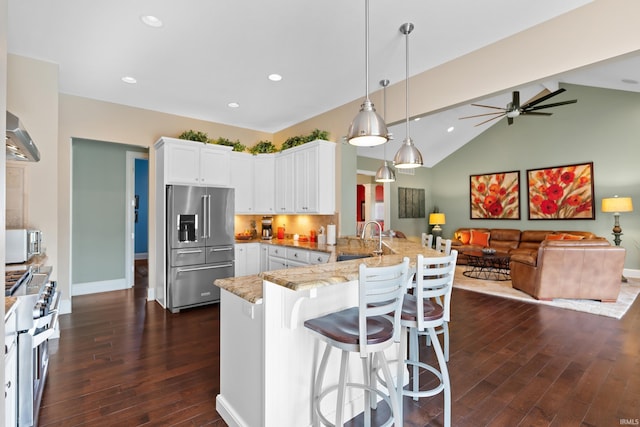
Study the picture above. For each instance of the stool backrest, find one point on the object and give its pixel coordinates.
(443, 245)
(427, 240)
(381, 291)
(434, 279)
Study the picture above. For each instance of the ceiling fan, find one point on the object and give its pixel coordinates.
(514, 109)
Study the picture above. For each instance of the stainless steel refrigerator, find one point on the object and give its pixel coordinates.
(200, 239)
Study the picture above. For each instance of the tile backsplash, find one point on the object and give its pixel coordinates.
(293, 224)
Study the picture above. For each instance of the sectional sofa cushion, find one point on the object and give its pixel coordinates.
(480, 238)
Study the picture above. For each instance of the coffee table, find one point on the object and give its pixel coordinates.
(488, 266)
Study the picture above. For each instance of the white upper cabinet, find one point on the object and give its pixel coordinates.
(242, 180)
(194, 163)
(315, 178)
(264, 179)
(284, 187)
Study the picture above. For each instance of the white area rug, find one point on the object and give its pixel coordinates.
(628, 293)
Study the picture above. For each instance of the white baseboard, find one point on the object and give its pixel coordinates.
(96, 287)
(151, 294)
(142, 255)
(632, 273)
(65, 306)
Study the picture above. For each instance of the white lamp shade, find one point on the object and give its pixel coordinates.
(617, 204)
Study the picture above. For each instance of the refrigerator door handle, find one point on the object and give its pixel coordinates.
(209, 267)
(208, 215)
(193, 251)
(221, 249)
(205, 213)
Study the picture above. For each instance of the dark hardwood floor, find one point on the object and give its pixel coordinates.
(123, 361)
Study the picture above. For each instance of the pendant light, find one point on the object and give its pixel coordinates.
(408, 155)
(385, 173)
(367, 129)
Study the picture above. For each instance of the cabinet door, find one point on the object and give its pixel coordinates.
(264, 258)
(306, 180)
(215, 166)
(264, 179)
(277, 263)
(252, 259)
(284, 187)
(240, 254)
(183, 164)
(242, 180)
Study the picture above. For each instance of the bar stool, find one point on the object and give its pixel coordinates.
(367, 330)
(422, 314)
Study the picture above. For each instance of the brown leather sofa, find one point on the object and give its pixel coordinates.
(583, 269)
(508, 240)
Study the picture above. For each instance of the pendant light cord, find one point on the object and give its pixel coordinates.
(384, 84)
(366, 49)
(406, 86)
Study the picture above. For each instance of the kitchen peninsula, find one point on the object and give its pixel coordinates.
(267, 358)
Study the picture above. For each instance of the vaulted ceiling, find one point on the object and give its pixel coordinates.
(209, 54)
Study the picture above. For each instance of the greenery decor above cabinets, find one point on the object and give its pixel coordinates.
(193, 163)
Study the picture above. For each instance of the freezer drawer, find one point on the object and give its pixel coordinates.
(190, 286)
(217, 254)
(187, 256)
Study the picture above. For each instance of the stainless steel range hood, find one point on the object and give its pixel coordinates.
(20, 146)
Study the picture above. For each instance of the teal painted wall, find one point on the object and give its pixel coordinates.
(98, 210)
(603, 127)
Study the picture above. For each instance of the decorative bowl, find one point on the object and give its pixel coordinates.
(488, 251)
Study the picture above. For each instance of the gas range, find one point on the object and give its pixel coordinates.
(37, 323)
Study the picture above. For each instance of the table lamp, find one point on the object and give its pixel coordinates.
(436, 219)
(616, 205)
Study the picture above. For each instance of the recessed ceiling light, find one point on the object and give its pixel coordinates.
(233, 104)
(417, 119)
(630, 81)
(275, 77)
(451, 128)
(129, 79)
(151, 21)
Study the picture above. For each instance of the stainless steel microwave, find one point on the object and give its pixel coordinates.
(22, 244)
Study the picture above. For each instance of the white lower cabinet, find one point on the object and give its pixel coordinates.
(280, 257)
(247, 259)
(10, 370)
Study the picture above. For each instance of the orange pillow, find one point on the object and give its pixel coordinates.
(480, 238)
(572, 237)
(555, 236)
(464, 236)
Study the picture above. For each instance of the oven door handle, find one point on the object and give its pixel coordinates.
(209, 267)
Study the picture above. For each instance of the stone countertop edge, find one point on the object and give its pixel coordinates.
(249, 288)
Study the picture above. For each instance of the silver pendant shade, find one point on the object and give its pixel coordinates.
(385, 173)
(367, 129)
(408, 156)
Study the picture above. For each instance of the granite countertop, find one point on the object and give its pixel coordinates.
(308, 277)
(9, 304)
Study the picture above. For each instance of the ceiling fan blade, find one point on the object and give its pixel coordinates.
(488, 106)
(543, 98)
(534, 113)
(515, 100)
(555, 104)
(480, 115)
(492, 118)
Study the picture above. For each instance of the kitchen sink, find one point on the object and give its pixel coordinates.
(348, 257)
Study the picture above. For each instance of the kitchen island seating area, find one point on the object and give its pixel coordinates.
(365, 329)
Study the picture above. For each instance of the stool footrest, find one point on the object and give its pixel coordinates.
(425, 393)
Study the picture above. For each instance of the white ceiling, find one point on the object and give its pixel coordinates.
(210, 53)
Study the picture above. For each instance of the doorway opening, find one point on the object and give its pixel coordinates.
(372, 201)
(137, 227)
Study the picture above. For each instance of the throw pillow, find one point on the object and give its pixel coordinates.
(464, 236)
(555, 236)
(572, 237)
(479, 238)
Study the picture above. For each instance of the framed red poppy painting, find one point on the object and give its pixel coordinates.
(561, 192)
(495, 195)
